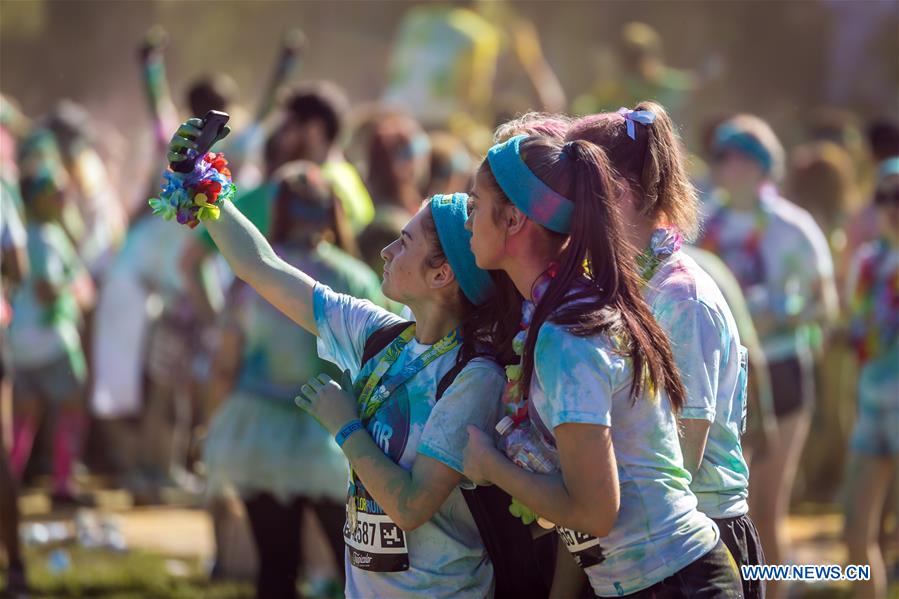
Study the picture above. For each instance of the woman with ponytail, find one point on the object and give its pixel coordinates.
(783, 264)
(659, 209)
(597, 381)
(408, 529)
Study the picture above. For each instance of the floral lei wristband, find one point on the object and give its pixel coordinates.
(195, 196)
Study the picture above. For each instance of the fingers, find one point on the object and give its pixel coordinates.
(311, 389)
(183, 140)
(179, 143)
(320, 381)
(173, 157)
(189, 130)
(225, 132)
(346, 381)
(186, 136)
(304, 399)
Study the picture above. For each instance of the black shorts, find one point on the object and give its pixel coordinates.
(742, 538)
(792, 384)
(714, 575)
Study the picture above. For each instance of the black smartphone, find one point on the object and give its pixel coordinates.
(213, 123)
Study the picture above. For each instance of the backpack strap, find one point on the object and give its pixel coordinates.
(381, 338)
(447, 379)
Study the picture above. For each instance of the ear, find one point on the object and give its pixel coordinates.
(515, 219)
(441, 277)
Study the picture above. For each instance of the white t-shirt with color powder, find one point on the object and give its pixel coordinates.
(447, 557)
(658, 530)
(793, 260)
(712, 363)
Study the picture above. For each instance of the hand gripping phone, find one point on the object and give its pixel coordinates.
(213, 123)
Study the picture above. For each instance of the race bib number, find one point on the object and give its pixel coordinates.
(585, 548)
(374, 541)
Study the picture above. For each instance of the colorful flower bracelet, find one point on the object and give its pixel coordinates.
(195, 196)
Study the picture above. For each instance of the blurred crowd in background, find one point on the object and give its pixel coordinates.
(126, 339)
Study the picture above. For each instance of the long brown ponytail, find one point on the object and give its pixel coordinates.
(609, 299)
(652, 164)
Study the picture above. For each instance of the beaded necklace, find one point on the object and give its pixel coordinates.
(515, 395)
(874, 324)
(663, 242)
(745, 260)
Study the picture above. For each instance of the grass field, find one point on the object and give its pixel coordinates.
(132, 574)
(162, 564)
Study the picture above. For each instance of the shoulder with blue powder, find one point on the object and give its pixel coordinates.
(700, 328)
(473, 398)
(577, 376)
(682, 286)
(702, 344)
(682, 278)
(344, 324)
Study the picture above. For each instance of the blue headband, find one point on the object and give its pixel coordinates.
(450, 213)
(887, 168)
(728, 137)
(529, 194)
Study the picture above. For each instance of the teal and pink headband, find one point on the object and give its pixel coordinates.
(525, 190)
(450, 213)
(728, 137)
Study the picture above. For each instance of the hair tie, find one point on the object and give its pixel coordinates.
(525, 190)
(568, 148)
(644, 117)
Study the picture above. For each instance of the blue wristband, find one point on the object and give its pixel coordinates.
(348, 429)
